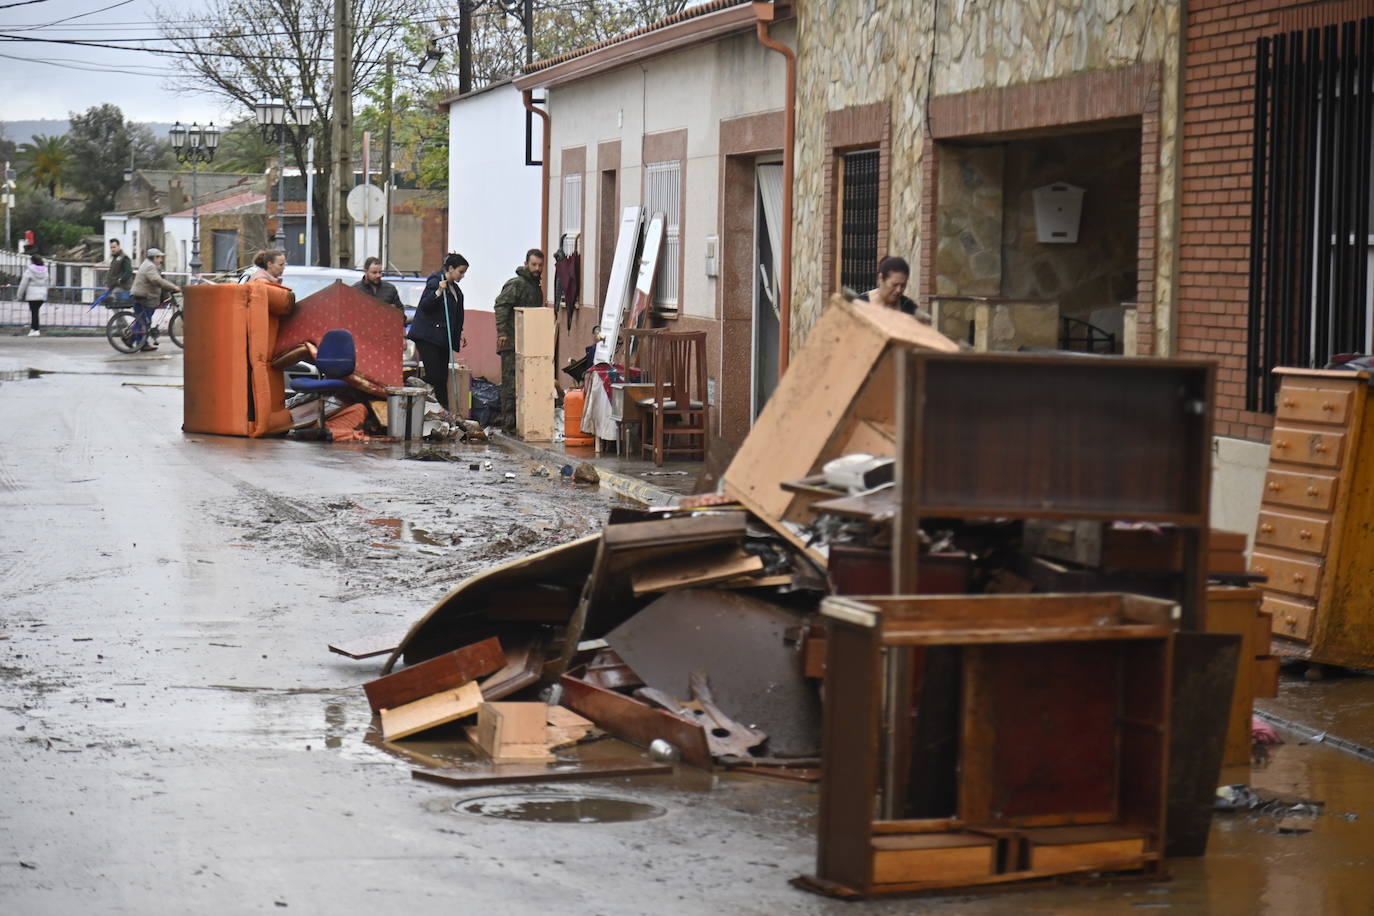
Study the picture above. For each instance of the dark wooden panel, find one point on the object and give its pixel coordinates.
(1064, 434)
(1048, 716)
(451, 669)
(852, 708)
(634, 721)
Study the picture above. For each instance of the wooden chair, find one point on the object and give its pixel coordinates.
(675, 362)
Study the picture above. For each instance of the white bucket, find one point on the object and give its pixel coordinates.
(405, 412)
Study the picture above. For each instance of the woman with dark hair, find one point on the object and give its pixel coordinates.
(33, 289)
(893, 274)
(438, 325)
(271, 264)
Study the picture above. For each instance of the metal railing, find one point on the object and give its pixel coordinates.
(73, 287)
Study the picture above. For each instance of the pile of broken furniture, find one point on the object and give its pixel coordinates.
(1011, 633)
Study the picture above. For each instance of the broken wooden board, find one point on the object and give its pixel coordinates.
(436, 631)
(636, 722)
(451, 669)
(430, 712)
(524, 664)
(364, 647)
(748, 649)
(566, 727)
(523, 772)
(512, 732)
(704, 567)
(808, 421)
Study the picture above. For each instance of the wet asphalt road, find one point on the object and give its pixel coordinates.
(175, 738)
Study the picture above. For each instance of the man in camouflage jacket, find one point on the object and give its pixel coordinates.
(520, 291)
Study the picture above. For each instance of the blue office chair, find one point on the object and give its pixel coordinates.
(335, 358)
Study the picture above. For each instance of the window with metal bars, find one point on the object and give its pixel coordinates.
(859, 219)
(572, 203)
(1312, 227)
(663, 194)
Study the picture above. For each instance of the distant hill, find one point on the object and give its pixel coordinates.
(24, 131)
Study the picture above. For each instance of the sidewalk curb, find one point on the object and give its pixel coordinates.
(1319, 737)
(629, 487)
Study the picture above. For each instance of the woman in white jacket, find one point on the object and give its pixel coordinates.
(33, 288)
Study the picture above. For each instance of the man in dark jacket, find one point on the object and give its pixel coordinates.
(120, 276)
(438, 325)
(373, 284)
(520, 291)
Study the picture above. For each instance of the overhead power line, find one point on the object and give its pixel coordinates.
(5, 6)
(94, 68)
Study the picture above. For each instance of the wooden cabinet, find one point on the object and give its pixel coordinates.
(1314, 538)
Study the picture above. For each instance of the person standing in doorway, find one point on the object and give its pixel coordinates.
(521, 291)
(33, 289)
(149, 286)
(893, 275)
(120, 276)
(438, 326)
(373, 284)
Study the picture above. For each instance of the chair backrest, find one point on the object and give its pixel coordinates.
(336, 356)
(678, 359)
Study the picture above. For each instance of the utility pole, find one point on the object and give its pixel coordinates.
(341, 176)
(386, 170)
(310, 201)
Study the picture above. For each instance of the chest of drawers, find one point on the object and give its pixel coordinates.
(1314, 538)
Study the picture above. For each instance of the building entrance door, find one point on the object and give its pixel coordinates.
(767, 264)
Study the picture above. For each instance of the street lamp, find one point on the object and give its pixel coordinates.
(279, 119)
(194, 144)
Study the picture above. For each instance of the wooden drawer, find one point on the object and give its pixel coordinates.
(1313, 405)
(1293, 618)
(1297, 577)
(1305, 491)
(932, 857)
(1292, 531)
(1306, 446)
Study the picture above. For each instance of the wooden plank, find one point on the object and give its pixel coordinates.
(718, 526)
(524, 665)
(364, 647)
(1148, 861)
(636, 722)
(451, 669)
(950, 857)
(439, 709)
(523, 772)
(702, 568)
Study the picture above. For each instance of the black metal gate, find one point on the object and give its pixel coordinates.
(859, 221)
(1310, 223)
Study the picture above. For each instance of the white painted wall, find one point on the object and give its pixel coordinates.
(695, 89)
(176, 242)
(493, 198)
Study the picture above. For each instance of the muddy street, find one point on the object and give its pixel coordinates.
(175, 736)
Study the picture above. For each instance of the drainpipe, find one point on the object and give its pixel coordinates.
(528, 98)
(765, 12)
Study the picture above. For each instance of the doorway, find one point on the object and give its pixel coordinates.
(294, 243)
(767, 266)
(225, 245)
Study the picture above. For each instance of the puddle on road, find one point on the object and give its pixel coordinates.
(403, 533)
(20, 375)
(559, 809)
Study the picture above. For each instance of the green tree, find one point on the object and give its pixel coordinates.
(101, 144)
(56, 223)
(46, 162)
(242, 149)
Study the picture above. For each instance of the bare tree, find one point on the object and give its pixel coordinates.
(251, 50)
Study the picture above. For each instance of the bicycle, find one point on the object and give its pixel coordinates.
(123, 330)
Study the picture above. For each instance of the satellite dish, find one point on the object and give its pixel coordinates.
(366, 204)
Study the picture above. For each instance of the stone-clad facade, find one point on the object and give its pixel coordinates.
(865, 73)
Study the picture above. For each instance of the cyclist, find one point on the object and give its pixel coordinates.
(148, 294)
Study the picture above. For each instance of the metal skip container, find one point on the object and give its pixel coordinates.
(405, 412)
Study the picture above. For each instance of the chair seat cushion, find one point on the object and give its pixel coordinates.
(319, 384)
(669, 404)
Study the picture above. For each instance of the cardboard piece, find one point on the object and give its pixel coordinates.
(512, 732)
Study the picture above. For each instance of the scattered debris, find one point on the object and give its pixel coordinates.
(586, 473)
(516, 773)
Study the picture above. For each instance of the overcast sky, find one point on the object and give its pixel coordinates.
(52, 80)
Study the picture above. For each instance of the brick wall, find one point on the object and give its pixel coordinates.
(1215, 185)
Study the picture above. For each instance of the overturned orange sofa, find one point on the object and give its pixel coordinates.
(231, 331)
